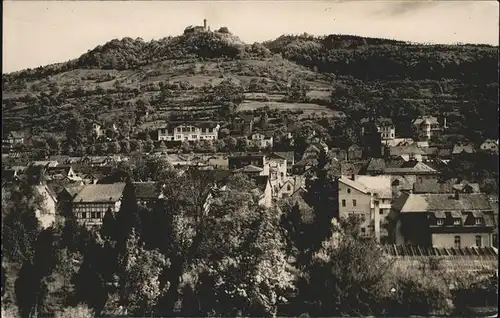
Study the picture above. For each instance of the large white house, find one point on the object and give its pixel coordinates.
(189, 131)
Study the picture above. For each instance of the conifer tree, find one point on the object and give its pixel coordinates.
(108, 225)
(128, 217)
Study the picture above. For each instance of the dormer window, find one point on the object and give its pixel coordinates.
(440, 221)
(456, 221)
(478, 221)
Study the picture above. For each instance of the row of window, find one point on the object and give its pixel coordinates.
(91, 215)
(458, 241)
(458, 221)
(93, 207)
(193, 129)
(354, 202)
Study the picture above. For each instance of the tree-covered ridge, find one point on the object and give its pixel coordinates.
(128, 53)
(368, 58)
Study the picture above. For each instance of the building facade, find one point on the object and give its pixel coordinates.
(490, 145)
(426, 127)
(443, 220)
(263, 140)
(93, 201)
(189, 131)
(11, 139)
(357, 200)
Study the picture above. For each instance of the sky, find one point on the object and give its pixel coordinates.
(38, 33)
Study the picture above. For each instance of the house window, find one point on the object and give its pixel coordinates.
(440, 221)
(348, 190)
(289, 188)
(92, 215)
(381, 211)
(343, 202)
(478, 221)
(353, 202)
(98, 215)
(84, 215)
(456, 221)
(282, 175)
(457, 241)
(363, 230)
(479, 241)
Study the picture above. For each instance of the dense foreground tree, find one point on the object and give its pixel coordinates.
(204, 250)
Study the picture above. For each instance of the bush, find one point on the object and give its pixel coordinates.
(9, 312)
(223, 30)
(422, 295)
(80, 311)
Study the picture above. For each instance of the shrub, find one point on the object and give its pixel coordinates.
(223, 30)
(80, 311)
(9, 312)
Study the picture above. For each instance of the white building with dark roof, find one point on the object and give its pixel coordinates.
(451, 220)
(425, 127)
(185, 131)
(490, 145)
(367, 198)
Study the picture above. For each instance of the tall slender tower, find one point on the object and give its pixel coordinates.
(205, 24)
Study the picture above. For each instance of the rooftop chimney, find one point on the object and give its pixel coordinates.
(205, 24)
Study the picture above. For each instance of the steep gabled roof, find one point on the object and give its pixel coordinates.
(380, 185)
(443, 202)
(73, 190)
(432, 186)
(430, 119)
(463, 148)
(100, 193)
(353, 184)
(420, 167)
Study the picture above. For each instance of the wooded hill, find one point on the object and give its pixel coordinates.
(215, 74)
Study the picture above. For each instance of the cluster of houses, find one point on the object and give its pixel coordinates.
(400, 196)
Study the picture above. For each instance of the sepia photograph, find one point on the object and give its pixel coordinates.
(323, 158)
